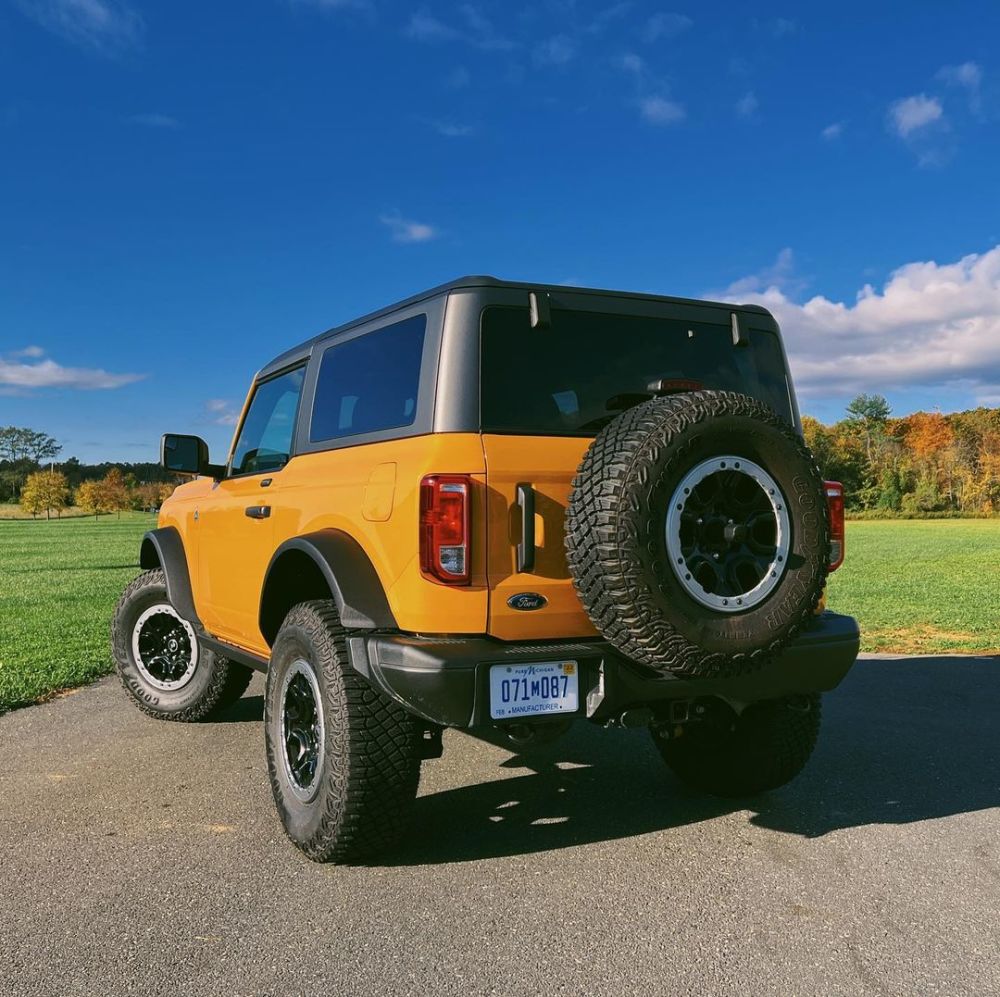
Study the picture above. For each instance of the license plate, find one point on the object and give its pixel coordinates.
(533, 690)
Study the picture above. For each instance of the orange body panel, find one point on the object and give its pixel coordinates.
(548, 464)
(371, 492)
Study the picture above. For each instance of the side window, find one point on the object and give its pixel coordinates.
(369, 383)
(265, 439)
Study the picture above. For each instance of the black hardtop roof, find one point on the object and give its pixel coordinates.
(484, 280)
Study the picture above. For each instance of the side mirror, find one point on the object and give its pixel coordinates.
(187, 455)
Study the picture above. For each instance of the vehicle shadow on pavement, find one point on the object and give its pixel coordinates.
(245, 710)
(903, 740)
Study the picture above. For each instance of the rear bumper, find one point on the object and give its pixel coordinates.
(446, 680)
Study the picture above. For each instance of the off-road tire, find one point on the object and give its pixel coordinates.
(616, 541)
(762, 749)
(370, 767)
(217, 682)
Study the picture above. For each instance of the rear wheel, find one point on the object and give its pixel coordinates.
(161, 665)
(344, 759)
(727, 755)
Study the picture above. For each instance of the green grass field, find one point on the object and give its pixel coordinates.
(916, 587)
(922, 586)
(59, 582)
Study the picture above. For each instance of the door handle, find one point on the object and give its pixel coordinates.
(258, 511)
(526, 548)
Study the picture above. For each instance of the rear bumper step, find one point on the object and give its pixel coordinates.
(446, 680)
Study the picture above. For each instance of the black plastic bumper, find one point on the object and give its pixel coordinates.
(446, 680)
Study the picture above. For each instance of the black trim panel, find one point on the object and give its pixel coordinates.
(350, 575)
(163, 548)
(446, 680)
(237, 654)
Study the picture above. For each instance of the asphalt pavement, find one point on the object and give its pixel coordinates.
(141, 857)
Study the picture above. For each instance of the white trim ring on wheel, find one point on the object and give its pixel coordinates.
(738, 602)
(173, 684)
(302, 793)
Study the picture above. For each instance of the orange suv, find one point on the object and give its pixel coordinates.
(508, 506)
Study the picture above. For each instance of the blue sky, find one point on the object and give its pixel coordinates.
(190, 188)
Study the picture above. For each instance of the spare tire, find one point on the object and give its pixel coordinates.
(697, 533)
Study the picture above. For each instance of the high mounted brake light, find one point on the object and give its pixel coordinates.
(445, 501)
(835, 503)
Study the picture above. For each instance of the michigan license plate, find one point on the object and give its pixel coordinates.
(533, 690)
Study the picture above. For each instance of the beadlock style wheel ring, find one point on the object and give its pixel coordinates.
(728, 534)
(302, 730)
(164, 648)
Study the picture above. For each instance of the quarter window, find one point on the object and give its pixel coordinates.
(265, 440)
(369, 383)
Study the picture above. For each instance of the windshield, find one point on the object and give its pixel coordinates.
(575, 377)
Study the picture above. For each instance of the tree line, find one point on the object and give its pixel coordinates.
(94, 488)
(25, 451)
(49, 491)
(923, 464)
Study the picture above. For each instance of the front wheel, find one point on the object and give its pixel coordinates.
(343, 758)
(161, 665)
(764, 747)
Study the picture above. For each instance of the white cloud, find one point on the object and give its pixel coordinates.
(660, 111)
(17, 374)
(633, 63)
(604, 17)
(747, 105)
(110, 27)
(931, 325)
(403, 230)
(424, 27)
(476, 29)
(913, 114)
(780, 275)
(665, 25)
(450, 129)
(223, 412)
(832, 132)
(555, 51)
(154, 121)
(968, 75)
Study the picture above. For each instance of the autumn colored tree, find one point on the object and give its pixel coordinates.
(114, 492)
(922, 463)
(90, 498)
(44, 491)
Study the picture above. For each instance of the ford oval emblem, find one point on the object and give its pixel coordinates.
(527, 601)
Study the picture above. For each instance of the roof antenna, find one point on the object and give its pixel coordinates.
(541, 316)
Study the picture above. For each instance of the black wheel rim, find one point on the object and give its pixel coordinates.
(728, 532)
(164, 648)
(302, 729)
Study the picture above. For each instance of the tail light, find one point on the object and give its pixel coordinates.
(835, 503)
(445, 501)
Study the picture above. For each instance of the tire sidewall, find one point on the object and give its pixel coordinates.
(303, 820)
(643, 536)
(150, 590)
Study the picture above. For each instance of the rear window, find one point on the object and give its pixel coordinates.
(369, 383)
(575, 377)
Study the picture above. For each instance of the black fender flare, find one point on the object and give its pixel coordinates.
(349, 573)
(163, 548)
